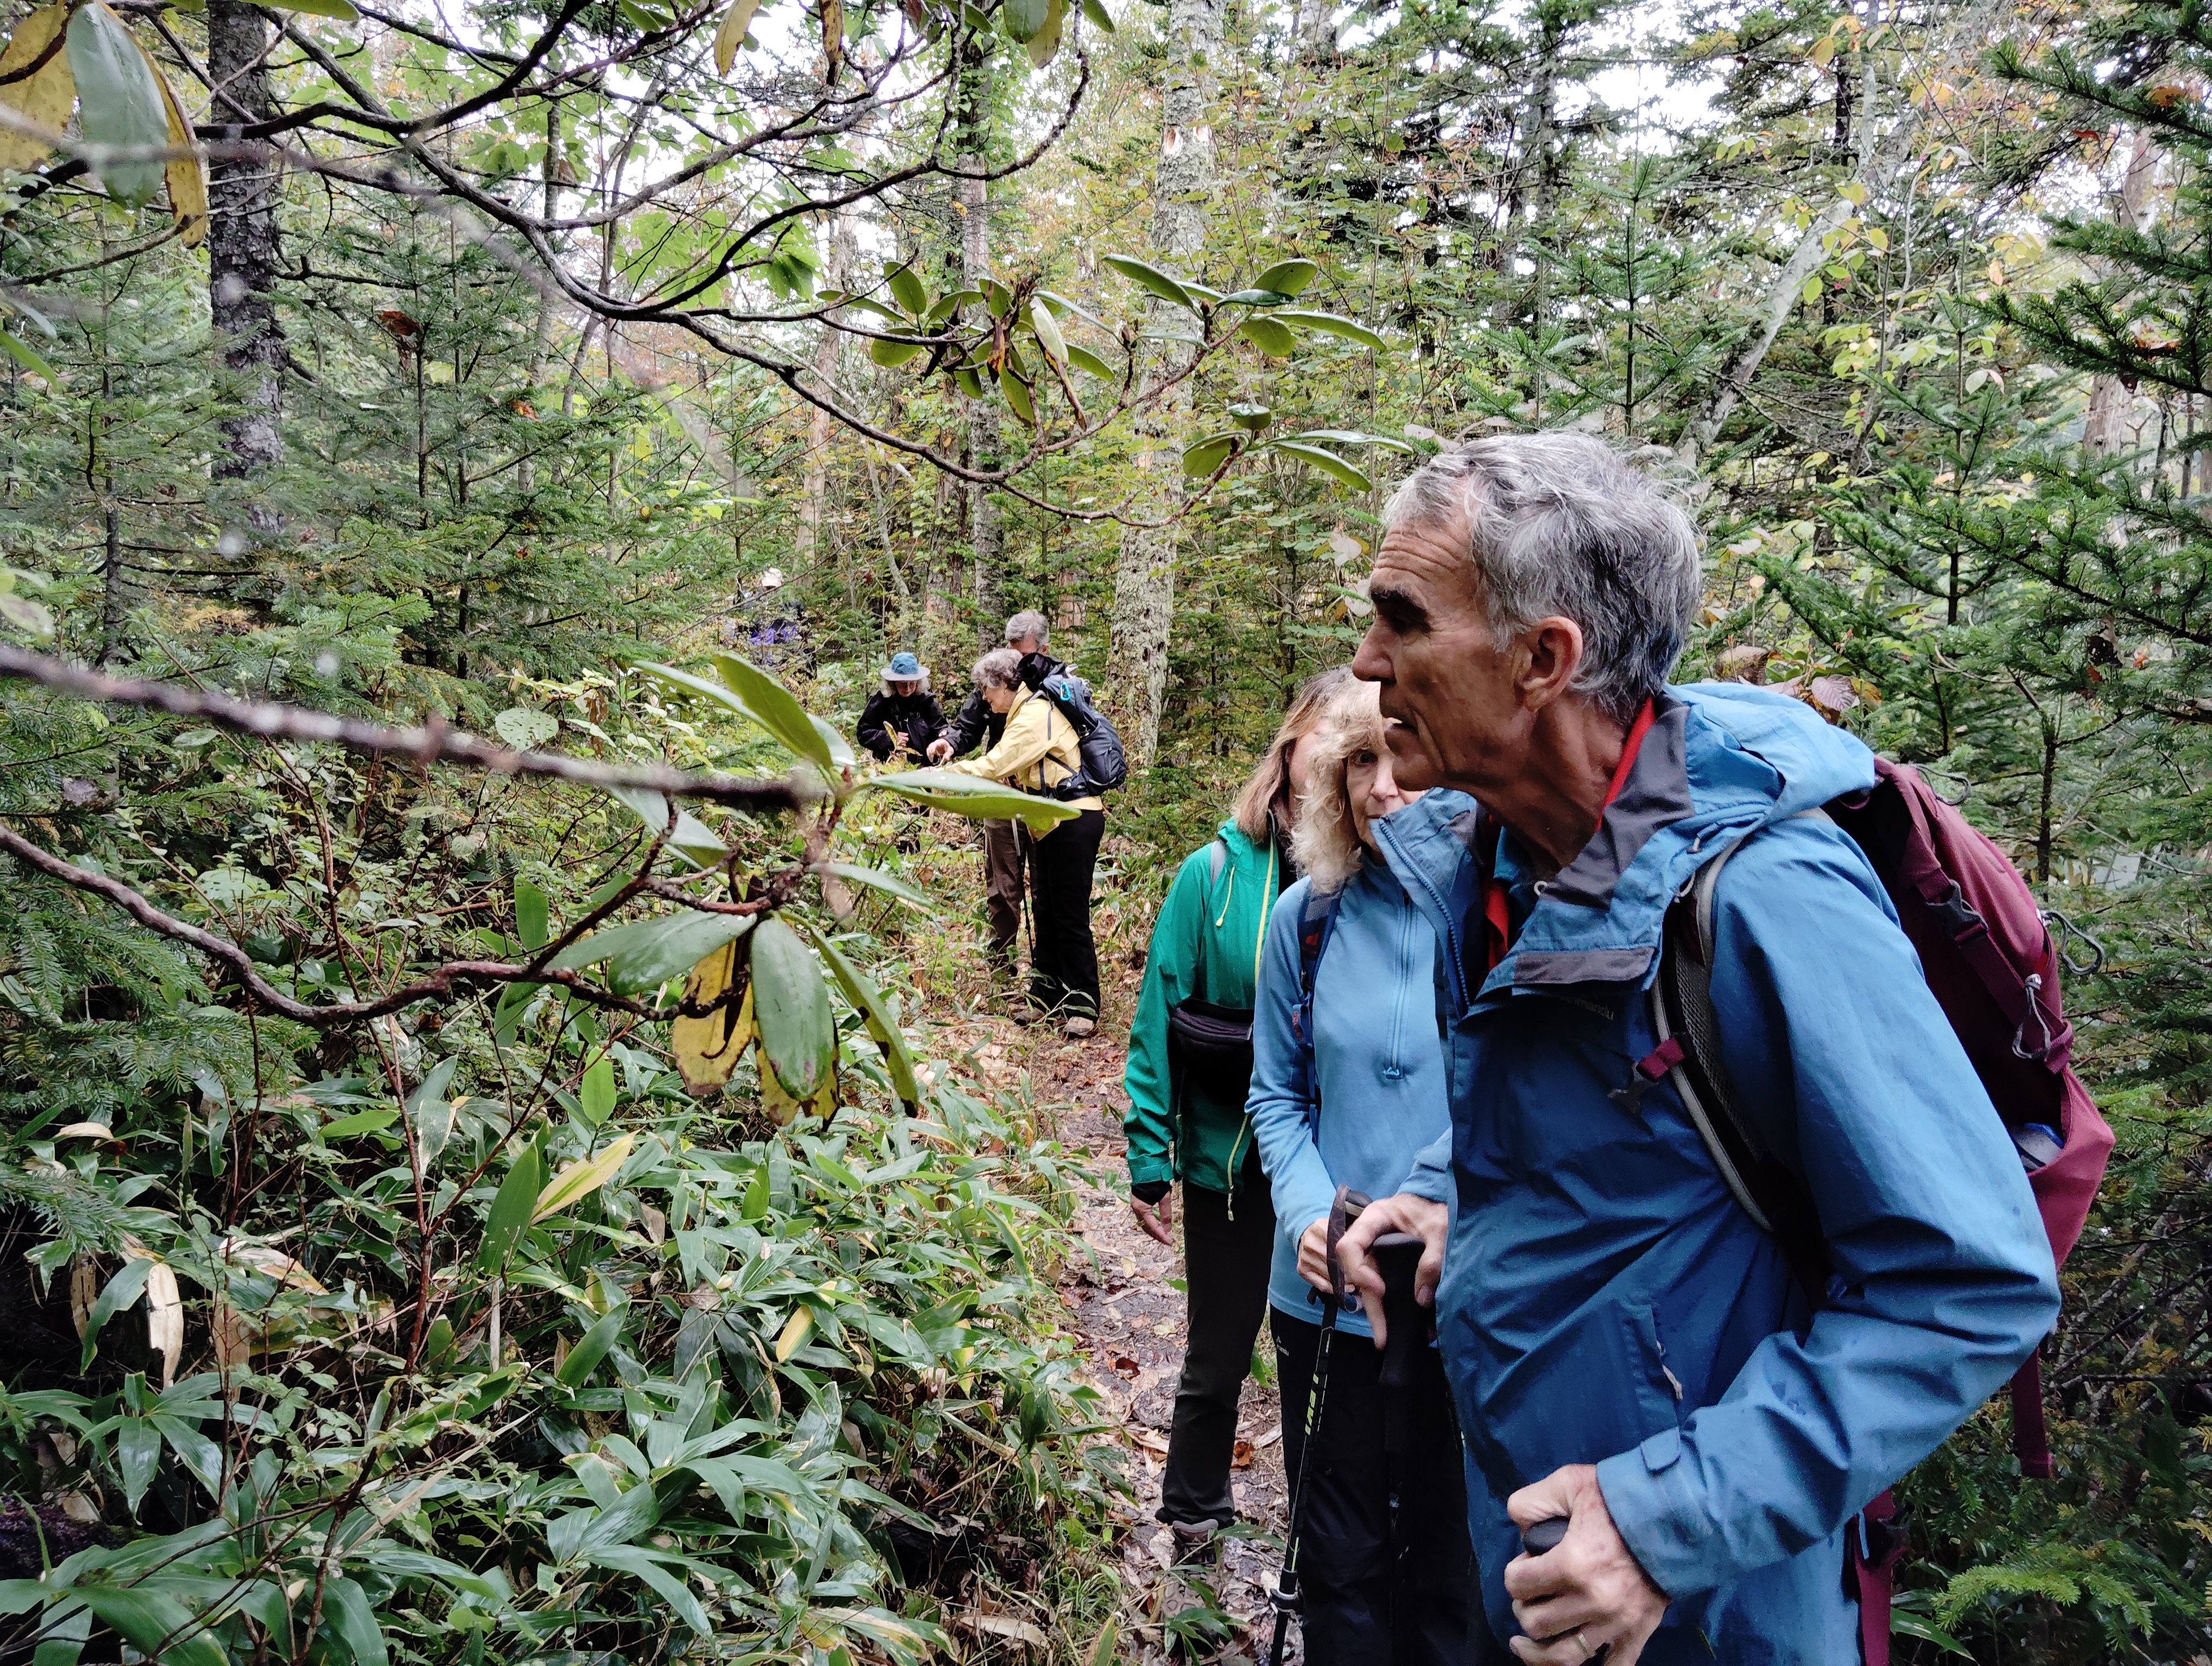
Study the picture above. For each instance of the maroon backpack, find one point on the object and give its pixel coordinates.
(1986, 950)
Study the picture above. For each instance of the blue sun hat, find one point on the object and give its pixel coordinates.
(904, 668)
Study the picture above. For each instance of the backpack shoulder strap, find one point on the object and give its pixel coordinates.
(1314, 928)
(1217, 857)
(1315, 925)
(1689, 1056)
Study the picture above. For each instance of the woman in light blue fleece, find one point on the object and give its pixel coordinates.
(1385, 1562)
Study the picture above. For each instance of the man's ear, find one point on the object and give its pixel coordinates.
(1550, 653)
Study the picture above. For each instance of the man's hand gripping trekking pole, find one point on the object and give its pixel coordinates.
(1577, 1590)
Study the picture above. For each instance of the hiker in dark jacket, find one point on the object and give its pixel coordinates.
(1383, 1562)
(1628, 1349)
(902, 717)
(976, 725)
(1206, 946)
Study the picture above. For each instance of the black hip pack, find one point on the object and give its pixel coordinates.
(1210, 1048)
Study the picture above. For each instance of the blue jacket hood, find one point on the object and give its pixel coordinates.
(1720, 761)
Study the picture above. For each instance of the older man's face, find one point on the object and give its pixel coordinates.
(1444, 680)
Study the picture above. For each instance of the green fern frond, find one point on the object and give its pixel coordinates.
(81, 1217)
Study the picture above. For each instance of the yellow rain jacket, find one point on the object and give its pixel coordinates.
(1036, 753)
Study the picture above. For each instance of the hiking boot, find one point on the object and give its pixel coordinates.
(1197, 1544)
(1078, 1029)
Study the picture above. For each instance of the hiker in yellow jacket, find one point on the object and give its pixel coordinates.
(1038, 751)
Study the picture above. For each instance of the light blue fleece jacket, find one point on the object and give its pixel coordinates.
(1385, 1119)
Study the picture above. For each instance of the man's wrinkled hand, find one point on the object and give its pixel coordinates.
(1405, 1212)
(1156, 1219)
(1587, 1593)
(939, 751)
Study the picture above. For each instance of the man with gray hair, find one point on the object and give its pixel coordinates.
(977, 724)
(1707, 1405)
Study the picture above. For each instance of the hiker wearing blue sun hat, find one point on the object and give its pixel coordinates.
(902, 715)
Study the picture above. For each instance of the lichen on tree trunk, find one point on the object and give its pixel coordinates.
(987, 535)
(820, 426)
(246, 253)
(1145, 569)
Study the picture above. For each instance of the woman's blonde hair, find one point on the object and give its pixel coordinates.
(1325, 845)
(1266, 794)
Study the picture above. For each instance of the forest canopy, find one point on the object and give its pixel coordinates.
(487, 1175)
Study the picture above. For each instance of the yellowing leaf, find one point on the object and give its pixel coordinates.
(783, 1105)
(84, 1291)
(796, 1329)
(1044, 46)
(732, 35)
(707, 1048)
(580, 1179)
(45, 98)
(85, 1131)
(165, 1321)
(188, 193)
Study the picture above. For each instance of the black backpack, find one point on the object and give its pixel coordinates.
(1104, 766)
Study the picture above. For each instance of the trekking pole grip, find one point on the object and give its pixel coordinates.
(1544, 1535)
(1398, 1254)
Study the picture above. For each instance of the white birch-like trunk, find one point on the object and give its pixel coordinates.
(986, 536)
(2110, 400)
(1143, 572)
(814, 491)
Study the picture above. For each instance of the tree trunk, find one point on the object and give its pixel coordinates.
(245, 253)
(541, 348)
(987, 535)
(114, 592)
(904, 626)
(1878, 165)
(1143, 572)
(2109, 400)
(1531, 196)
(1314, 31)
(814, 495)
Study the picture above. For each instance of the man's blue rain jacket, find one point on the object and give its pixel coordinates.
(1605, 1299)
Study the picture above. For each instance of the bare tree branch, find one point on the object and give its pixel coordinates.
(437, 983)
(433, 742)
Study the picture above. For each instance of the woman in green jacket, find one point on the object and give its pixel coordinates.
(1206, 946)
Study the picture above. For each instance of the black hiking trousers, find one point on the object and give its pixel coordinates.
(1386, 1584)
(1226, 1246)
(1064, 964)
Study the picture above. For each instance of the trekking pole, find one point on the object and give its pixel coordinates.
(1025, 853)
(1285, 1598)
(1398, 1257)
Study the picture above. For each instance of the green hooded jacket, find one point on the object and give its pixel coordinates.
(1206, 944)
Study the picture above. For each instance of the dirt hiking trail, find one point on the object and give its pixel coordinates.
(1127, 1308)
